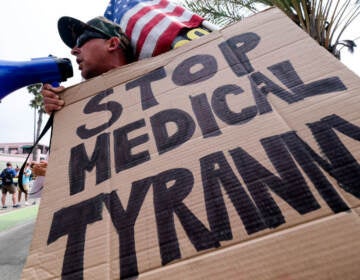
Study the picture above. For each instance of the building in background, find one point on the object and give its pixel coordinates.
(16, 153)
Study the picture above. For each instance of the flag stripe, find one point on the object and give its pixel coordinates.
(142, 16)
(161, 37)
(141, 21)
(168, 37)
(153, 37)
(145, 33)
(123, 21)
(152, 25)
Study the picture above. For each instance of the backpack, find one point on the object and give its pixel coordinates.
(8, 178)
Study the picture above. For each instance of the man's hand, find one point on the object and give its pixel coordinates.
(39, 169)
(52, 102)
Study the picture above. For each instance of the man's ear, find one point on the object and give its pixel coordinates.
(114, 43)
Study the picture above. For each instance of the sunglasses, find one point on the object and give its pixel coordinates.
(87, 36)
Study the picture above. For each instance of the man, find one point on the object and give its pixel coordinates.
(7, 177)
(99, 46)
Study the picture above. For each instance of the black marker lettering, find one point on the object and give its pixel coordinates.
(169, 201)
(94, 106)
(184, 124)
(215, 170)
(286, 73)
(148, 99)
(184, 75)
(124, 159)
(79, 163)
(124, 222)
(73, 222)
(222, 109)
(204, 116)
(234, 50)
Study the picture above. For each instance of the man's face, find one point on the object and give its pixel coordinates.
(92, 57)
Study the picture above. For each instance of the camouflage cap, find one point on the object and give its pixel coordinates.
(70, 29)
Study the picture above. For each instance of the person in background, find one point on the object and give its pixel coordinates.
(7, 176)
(99, 46)
(25, 183)
(39, 168)
(38, 171)
(17, 170)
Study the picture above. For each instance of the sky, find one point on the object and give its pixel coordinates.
(29, 30)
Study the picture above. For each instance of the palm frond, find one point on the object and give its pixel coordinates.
(222, 12)
(324, 20)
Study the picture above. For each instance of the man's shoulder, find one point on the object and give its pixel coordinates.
(10, 170)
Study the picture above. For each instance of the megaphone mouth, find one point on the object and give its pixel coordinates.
(65, 68)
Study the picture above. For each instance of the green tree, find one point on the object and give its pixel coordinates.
(37, 103)
(323, 20)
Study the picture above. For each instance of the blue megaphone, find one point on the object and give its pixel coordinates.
(15, 75)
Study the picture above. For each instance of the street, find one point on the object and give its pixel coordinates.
(16, 232)
(14, 248)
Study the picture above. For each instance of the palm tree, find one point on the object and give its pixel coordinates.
(37, 104)
(323, 20)
(224, 12)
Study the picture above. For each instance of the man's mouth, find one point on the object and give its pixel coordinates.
(79, 61)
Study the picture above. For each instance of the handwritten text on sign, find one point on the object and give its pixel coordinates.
(255, 206)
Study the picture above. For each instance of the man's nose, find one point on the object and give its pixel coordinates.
(75, 51)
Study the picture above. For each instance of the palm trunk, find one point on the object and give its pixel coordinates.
(39, 123)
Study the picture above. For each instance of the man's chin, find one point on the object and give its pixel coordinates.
(88, 75)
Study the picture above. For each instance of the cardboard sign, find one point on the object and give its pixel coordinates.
(235, 156)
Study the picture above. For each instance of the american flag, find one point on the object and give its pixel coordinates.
(152, 25)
